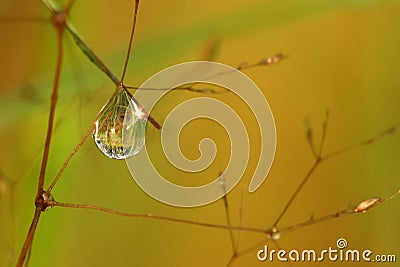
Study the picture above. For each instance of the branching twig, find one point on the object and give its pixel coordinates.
(311, 221)
(53, 203)
(128, 53)
(264, 62)
(68, 159)
(363, 206)
(29, 237)
(319, 159)
(236, 253)
(349, 211)
(227, 213)
(58, 20)
(374, 139)
(91, 55)
(54, 97)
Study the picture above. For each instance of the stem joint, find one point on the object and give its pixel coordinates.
(43, 201)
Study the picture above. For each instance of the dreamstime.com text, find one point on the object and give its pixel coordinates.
(338, 254)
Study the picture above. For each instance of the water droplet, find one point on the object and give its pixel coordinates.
(273, 233)
(121, 127)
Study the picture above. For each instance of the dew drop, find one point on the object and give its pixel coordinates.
(273, 233)
(120, 130)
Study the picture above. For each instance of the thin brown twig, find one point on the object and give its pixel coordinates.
(231, 260)
(28, 257)
(264, 62)
(310, 138)
(92, 56)
(321, 159)
(298, 189)
(29, 237)
(49, 6)
(236, 248)
(54, 97)
(73, 152)
(128, 53)
(353, 210)
(370, 141)
(120, 83)
(53, 203)
(227, 213)
(397, 193)
(253, 247)
(241, 211)
(68, 159)
(58, 20)
(323, 137)
(312, 221)
(182, 88)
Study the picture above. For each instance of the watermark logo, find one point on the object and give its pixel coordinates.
(157, 186)
(341, 253)
(341, 243)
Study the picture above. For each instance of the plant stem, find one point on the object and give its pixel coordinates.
(152, 216)
(29, 237)
(39, 196)
(68, 159)
(91, 55)
(54, 97)
(128, 53)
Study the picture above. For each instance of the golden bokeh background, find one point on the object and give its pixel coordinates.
(343, 56)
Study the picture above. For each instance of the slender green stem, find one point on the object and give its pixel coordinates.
(91, 55)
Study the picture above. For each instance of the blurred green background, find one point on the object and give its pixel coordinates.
(343, 56)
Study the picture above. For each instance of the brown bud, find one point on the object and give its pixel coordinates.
(367, 204)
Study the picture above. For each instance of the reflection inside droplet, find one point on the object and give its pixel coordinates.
(120, 116)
